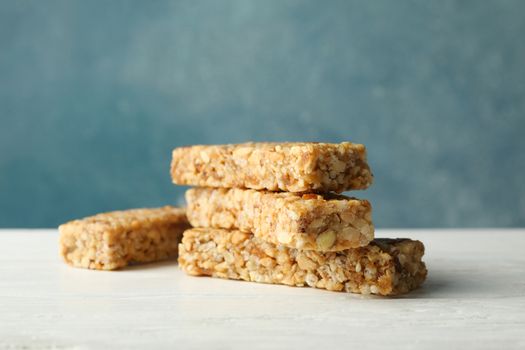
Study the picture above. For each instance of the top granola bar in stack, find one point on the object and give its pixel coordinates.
(291, 167)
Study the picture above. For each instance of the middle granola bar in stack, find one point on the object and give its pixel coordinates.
(303, 221)
(279, 198)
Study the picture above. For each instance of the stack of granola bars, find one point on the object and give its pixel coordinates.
(265, 212)
(271, 213)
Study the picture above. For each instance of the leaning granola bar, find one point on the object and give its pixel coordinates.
(384, 267)
(112, 240)
(291, 167)
(302, 221)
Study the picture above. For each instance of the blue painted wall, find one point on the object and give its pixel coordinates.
(95, 94)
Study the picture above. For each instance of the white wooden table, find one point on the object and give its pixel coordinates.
(474, 298)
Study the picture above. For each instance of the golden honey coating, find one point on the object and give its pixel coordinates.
(116, 239)
(300, 221)
(384, 267)
(291, 167)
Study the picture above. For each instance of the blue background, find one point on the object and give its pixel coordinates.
(95, 94)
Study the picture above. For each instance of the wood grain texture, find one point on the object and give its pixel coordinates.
(474, 297)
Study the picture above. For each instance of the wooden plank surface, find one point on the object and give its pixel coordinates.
(474, 297)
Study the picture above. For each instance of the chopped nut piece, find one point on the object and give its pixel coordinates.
(374, 269)
(292, 167)
(301, 221)
(325, 240)
(112, 240)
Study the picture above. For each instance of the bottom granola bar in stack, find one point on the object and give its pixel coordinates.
(384, 267)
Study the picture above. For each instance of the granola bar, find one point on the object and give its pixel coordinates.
(303, 221)
(112, 240)
(384, 267)
(291, 167)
